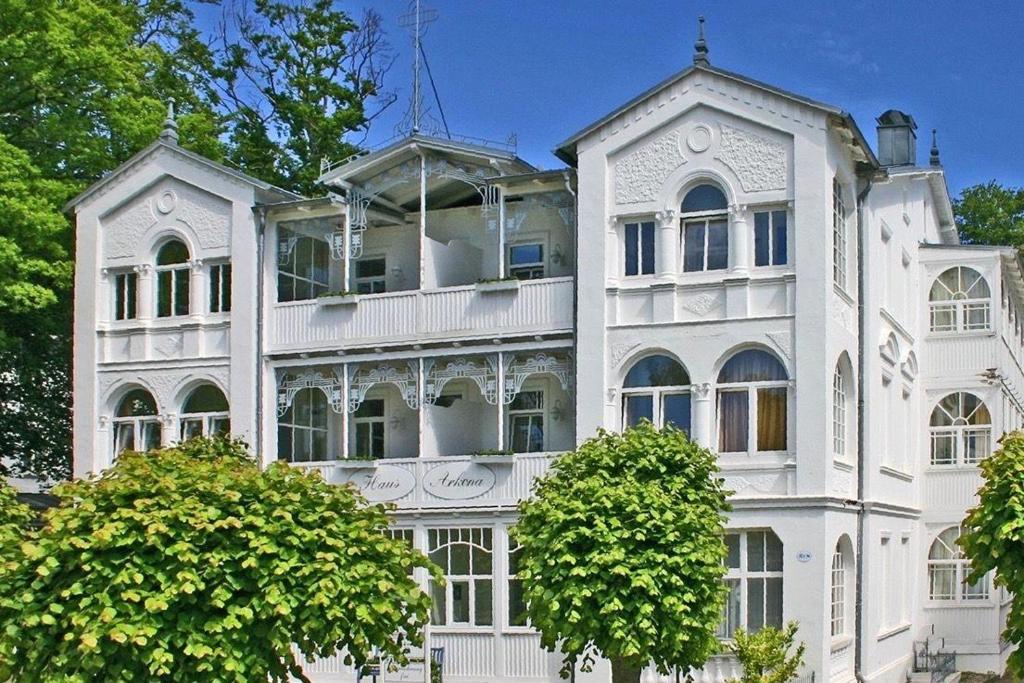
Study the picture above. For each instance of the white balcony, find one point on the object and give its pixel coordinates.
(465, 312)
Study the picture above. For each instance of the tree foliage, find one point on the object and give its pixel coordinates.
(765, 655)
(194, 564)
(14, 519)
(993, 533)
(991, 214)
(622, 552)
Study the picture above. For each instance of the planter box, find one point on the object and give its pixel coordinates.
(492, 459)
(498, 286)
(356, 464)
(345, 300)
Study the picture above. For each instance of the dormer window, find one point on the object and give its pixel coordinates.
(705, 229)
(172, 280)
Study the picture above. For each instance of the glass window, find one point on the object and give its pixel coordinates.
(302, 428)
(839, 247)
(960, 430)
(754, 578)
(125, 296)
(220, 288)
(752, 383)
(656, 388)
(205, 413)
(839, 410)
(959, 301)
(705, 245)
(172, 280)
(639, 248)
(303, 261)
(371, 275)
(770, 238)
(526, 261)
(838, 591)
(948, 570)
(516, 601)
(369, 429)
(136, 424)
(464, 556)
(704, 198)
(526, 422)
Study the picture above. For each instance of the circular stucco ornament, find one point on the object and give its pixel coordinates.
(699, 138)
(166, 201)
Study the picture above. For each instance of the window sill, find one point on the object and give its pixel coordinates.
(957, 467)
(467, 629)
(896, 473)
(843, 464)
(959, 604)
(887, 633)
(961, 334)
(842, 294)
(840, 642)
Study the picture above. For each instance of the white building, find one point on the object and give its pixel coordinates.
(719, 253)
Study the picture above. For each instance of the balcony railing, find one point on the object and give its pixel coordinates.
(530, 307)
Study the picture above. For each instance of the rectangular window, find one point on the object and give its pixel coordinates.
(125, 296)
(464, 556)
(705, 245)
(771, 419)
(640, 248)
(638, 408)
(220, 288)
(371, 275)
(172, 286)
(369, 429)
(303, 263)
(526, 261)
(526, 422)
(770, 238)
(516, 601)
(754, 579)
(733, 421)
(839, 248)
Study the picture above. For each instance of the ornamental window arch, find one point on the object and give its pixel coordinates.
(752, 399)
(960, 300)
(656, 387)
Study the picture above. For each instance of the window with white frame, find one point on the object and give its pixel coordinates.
(842, 562)
(960, 430)
(840, 408)
(770, 239)
(465, 556)
(657, 388)
(753, 399)
(136, 423)
(126, 287)
(371, 275)
(517, 615)
(960, 301)
(205, 413)
(754, 579)
(303, 265)
(172, 279)
(526, 422)
(705, 221)
(526, 261)
(370, 429)
(302, 429)
(220, 288)
(839, 246)
(639, 248)
(948, 570)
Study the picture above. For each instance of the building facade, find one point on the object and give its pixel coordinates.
(718, 254)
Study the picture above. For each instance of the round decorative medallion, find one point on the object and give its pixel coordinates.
(166, 201)
(699, 138)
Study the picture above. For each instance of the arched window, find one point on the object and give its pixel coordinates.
(842, 566)
(961, 430)
(136, 425)
(465, 556)
(302, 429)
(948, 570)
(705, 229)
(657, 388)
(841, 407)
(172, 279)
(959, 301)
(752, 403)
(754, 579)
(839, 241)
(205, 413)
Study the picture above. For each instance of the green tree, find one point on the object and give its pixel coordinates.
(991, 214)
(14, 519)
(993, 534)
(765, 655)
(622, 552)
(194, 564)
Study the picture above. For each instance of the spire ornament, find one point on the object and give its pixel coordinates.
(700, 48)
(170, 131)
(933, 158)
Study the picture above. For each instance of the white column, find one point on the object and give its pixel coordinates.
(345, 387)
(347, 258)
(196, 289)
(501, 232)
(501, 401)
(420, 413)
(146, 296)
(423, 218)
(739, 240)
(701, 431)
(666, 256)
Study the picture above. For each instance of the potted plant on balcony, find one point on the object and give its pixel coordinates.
(338, 297)
(493, 456)
(497, 284)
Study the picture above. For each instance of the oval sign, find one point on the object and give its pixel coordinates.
(459, 480)
(803, 556)
(384, 482)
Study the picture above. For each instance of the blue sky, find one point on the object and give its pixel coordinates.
(544, 69)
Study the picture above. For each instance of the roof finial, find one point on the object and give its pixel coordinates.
(700, 48)
(934, 158)
(170, 131)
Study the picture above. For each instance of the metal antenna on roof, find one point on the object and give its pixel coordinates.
(416, 20)
(934, 157)
(700, 48)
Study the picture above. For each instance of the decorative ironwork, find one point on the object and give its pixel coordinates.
(483, 373)
(518, 370)
(383, 373)
(285, 246)
(336, 243)
(332, 387)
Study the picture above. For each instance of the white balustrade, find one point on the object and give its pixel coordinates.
(536, 306)
(718, 669)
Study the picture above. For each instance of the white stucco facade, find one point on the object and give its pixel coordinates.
(788, 317)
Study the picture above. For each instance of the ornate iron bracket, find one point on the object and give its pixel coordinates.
(332, 387)
(365, 379)
(517, 370)
(483, 373)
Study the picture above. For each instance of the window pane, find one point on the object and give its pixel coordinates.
(536, 443)
(225, 288)
(755, 605)
(943, 448)
(755, 551)
(771, 419)
(124, 436)
(693, 247)
(318, 446)
(639, 408)
(762, 240)
(779, 247)
(181, 279)
(773, 602)
(704, 198)
(647, 247)
(150, 435)
(732, 545)
(516, 603)
(483, 612)
(976, 445)
(733, 421)
(656, 371)
(163, 293)
(773, 552)
(675, 411)
(632, 249)
(438, 600)
(481, 561)
(525, 254)
(373, 267)
(191, 428)
(460, 602)
(284, 443)
(528, 400)
(460, 558)
(731, 612)
(718, 245)
(942, 581)
(371, 408)
(285, 288)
